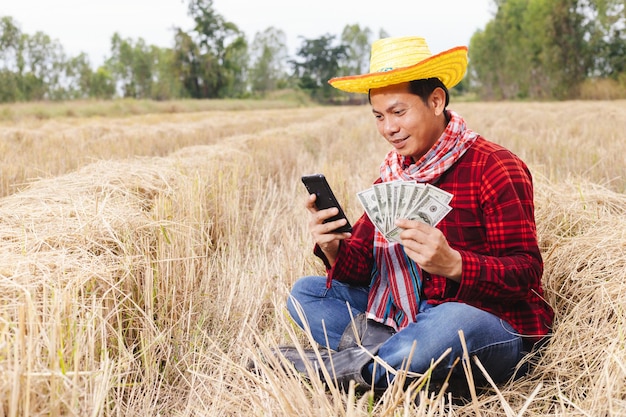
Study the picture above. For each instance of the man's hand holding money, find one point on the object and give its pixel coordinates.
(429, 248)
(407, 212)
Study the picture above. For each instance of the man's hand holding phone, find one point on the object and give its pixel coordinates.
(328, 224)
(324, 234)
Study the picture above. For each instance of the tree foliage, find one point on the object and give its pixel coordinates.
(547, 48)
(32, 65)
(319, 61)
(35, 67)
(131, 64)
(140, 71)
(358, 42)
(213, 56)
(268, 54)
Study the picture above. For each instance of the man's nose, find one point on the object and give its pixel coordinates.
(391, 126)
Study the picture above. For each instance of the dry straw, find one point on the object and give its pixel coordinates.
(143, 286)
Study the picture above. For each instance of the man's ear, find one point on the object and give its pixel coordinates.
(437, 101)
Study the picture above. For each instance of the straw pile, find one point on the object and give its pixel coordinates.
(86, 308)
(582, 230)
(143, 286)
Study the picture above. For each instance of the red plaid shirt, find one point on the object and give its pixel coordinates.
(492, 225)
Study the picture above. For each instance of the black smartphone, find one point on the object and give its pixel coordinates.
(317, 184)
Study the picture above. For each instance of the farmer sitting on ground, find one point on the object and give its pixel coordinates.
(479, 270)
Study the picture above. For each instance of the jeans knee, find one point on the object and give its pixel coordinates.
(500, 359)
(309, 286)
(304, 290)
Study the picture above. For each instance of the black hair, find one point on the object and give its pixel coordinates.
(423, 89)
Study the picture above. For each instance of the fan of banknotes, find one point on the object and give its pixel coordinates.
(388, 201)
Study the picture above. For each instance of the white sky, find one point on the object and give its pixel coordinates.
(87, 25)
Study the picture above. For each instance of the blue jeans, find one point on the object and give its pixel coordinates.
(488, 337)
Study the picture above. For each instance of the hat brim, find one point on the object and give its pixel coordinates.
(449, 66)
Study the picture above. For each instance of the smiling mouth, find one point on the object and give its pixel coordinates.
(397, 142)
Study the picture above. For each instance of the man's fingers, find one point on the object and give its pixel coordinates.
(411, 224)
(322, 215)
(310, 203)
(330, 226)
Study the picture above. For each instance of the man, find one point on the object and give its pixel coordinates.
(478, 271)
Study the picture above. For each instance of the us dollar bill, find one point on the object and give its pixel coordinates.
(369, 202)
(405, 193)
(436, 193)
(430, 211)
(414, 198)
(386, 202)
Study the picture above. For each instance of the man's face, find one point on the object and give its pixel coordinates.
(408, 124)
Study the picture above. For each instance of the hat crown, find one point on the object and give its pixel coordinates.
(392, 53)
(403, 59)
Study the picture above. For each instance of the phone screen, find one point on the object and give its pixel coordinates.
(317, 184)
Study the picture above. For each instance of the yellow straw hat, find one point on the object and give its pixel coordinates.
(398, 60)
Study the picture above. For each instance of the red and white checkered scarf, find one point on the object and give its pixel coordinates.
(396, 279)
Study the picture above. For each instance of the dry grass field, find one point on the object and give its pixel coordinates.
(144, 259)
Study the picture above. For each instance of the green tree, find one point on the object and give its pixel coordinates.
(78, 75)
(31, 67)
(166, 81)
(44, 61)
(482, 54)
(319, 61)
(570, 59)
(507, 58)
(235, 69)
(212, 58)
(358, 44)
(606, 23)
(187, 60)
(83, 82)
(131, 63)
(101, 84)
(10, 41)
(268, 54)
(143, 71)
(547, 48)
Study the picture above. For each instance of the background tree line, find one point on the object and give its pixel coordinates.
(547, 48)
(530, 49)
